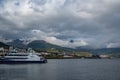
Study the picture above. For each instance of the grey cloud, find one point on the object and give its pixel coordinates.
(96, 22)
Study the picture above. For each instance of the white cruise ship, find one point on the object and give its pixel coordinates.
(30, 57)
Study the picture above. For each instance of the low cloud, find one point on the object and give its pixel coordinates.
(92, 23)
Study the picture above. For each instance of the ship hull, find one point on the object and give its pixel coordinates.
(20, 62)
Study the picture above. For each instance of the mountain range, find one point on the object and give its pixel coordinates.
(43, 45)
(3, 45)
(37, 45)
(17, 43)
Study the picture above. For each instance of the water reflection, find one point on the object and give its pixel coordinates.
(12, 72)
(63, 70)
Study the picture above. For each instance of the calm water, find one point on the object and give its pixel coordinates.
(68, 69)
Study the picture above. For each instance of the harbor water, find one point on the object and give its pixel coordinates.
(63, 69)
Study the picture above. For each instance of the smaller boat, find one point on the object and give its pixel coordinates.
(14, 57)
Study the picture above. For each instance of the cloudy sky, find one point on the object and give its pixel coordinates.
(94, 23)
